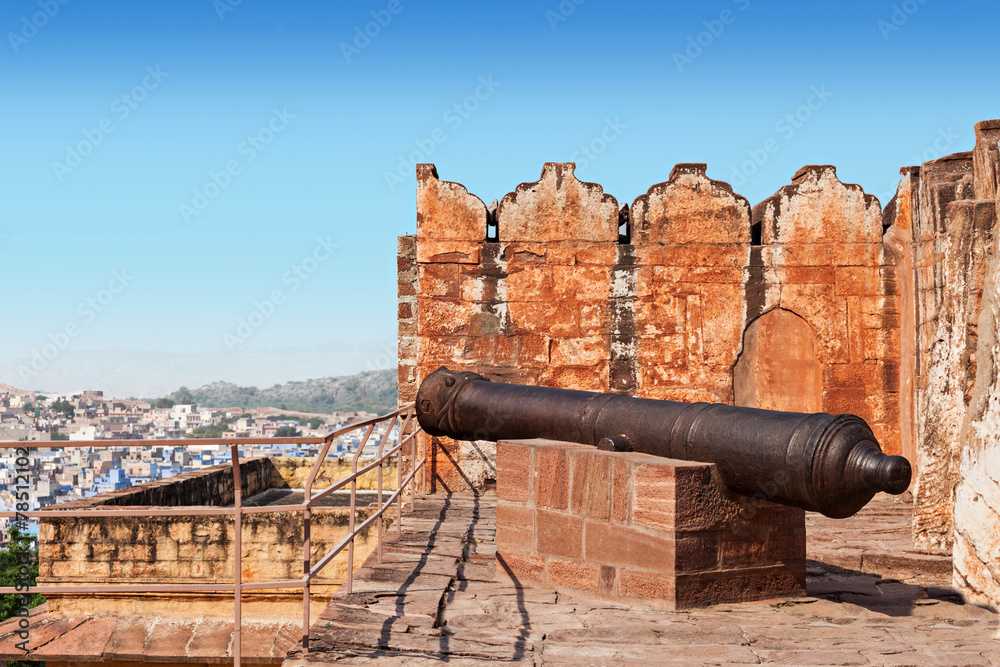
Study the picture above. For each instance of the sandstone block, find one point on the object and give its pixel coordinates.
(551, 478)
(577, 575)
(516, 460)
(559, 534)
(591, 484)
(519, 532)
(446, 210)
(459, 252)
(522, 568)
(627, 546)
(586, 351)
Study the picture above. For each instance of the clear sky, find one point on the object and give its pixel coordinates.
(172, 168)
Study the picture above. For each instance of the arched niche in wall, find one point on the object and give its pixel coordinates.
(778, 369)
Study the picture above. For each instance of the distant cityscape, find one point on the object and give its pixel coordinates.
(59, 475)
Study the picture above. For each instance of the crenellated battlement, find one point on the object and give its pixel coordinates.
(565, 297)
(815, 299)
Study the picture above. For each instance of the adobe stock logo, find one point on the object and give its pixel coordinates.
(899, 17)
(248, 149)
(31, 25)
(87, 310)
(565, 9)
(223, 7)
(699, 42)
(363, 36)
(264, 309)
(588, 153)
(787, 126)
(122, 107)
(454, 116)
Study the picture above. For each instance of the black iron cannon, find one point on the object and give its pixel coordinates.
(819, 462)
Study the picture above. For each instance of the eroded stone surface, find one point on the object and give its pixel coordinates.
(977, 496)
(823, 260)
(567, 297)
(79, 640)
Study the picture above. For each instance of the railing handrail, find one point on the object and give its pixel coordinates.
(237, 511)
(174, 442)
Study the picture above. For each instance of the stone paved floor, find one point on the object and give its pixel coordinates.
(437, 598)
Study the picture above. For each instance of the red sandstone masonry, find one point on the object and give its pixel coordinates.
(638, 527)
(690, 309)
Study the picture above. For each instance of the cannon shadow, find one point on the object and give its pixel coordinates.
(887, 596)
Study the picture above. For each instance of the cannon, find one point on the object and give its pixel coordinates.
(820, 462)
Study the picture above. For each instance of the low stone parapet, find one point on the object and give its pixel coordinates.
(635, 527)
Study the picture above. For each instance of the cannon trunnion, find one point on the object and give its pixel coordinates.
(820, 462)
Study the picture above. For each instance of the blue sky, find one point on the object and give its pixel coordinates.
(220, 153)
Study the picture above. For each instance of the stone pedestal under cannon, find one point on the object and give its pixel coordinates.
(631, 527)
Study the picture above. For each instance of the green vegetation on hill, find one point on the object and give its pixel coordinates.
(20, 551)
(211, 430)
(373, 391)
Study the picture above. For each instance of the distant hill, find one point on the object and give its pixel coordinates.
(373, 391)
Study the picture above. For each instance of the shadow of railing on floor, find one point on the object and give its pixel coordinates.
(522, 608)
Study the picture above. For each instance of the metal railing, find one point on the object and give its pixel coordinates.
(409, 429)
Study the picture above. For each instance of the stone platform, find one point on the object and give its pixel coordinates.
(629, 527)
(438, 598)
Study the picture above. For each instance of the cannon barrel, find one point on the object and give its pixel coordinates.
(820, 462)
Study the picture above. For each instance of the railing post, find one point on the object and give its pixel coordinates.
(381, 462)
(413, 468)
(350, 545)
(423, 473)
(306, 561)
(399, 491)
(238, 559)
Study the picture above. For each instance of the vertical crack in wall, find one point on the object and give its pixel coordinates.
(754, 292)
(493, 271)
(621, 305)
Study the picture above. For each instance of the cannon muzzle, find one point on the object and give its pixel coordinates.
(820, 462)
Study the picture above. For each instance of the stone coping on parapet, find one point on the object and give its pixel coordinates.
(213, 486)
(209, 486)
(127, 640)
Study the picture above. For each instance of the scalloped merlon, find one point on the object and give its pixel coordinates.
(818, 208)
(986, 159)
(558, 207)
(446, 211)
(690, 208)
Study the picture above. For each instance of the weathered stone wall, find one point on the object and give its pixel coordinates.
(977, 495)
(941, 235)
(942, 352)
(691, 241)
(212, 486)
(192, 550)
(653, 300)
(815, 301)
(823, 260)
(898, 218)
(199, 549)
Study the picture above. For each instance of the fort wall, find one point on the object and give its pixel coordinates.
(815, 299)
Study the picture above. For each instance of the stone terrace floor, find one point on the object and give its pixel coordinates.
(872, 599)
